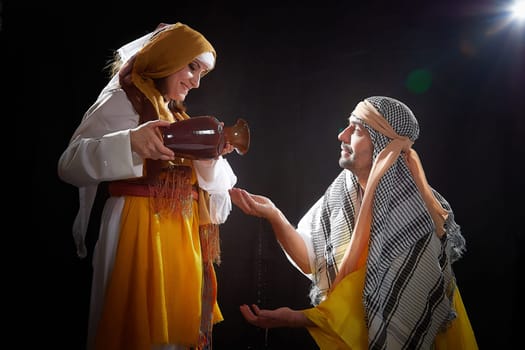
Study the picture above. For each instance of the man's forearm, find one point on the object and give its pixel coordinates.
(290, 240)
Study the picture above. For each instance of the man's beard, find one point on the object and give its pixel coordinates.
(346, 163)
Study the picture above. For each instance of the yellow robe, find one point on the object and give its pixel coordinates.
(340, 320)
(154, 294)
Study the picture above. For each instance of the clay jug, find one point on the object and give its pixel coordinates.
(204, 137)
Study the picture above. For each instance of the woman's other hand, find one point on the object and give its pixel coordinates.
(146, 141)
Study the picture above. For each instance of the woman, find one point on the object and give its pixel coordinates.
(154, 283)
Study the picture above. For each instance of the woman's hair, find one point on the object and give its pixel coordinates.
(113, 66)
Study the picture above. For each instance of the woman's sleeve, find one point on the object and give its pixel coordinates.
(100, 149)
(216, 177)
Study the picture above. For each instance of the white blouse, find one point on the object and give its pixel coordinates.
(100, 150)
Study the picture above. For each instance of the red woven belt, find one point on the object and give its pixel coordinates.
(122, 188)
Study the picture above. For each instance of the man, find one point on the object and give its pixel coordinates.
(378, 245)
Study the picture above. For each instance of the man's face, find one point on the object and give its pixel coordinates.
(356, 148)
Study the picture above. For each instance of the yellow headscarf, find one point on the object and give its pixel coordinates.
(168, 51)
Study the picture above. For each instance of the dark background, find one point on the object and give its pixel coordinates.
(294, 72)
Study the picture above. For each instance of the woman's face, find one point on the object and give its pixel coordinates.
(178, 84)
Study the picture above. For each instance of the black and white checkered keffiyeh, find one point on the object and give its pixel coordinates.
(409, 282)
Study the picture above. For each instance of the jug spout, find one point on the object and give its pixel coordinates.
(238, 136)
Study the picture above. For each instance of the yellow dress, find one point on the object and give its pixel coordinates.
(154, 294)
(340, 320)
